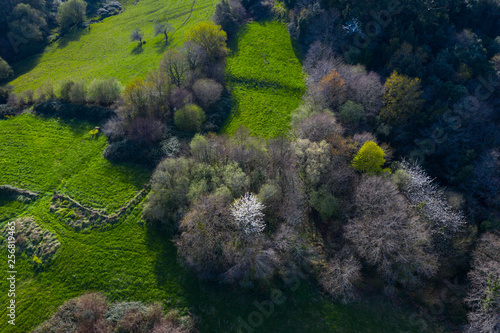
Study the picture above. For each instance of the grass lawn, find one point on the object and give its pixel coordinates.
(106, 50)
(265, 78)
(43, 155)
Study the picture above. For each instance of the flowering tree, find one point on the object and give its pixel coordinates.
(424, 194)
(247, 211)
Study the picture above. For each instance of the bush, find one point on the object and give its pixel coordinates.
(58, 108)
(189, 118)
(65, 88)
(6, 110)
(71, 13)
(104, 92)
(78, 92)
(5, 70)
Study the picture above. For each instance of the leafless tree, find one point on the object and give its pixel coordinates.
(341, 275)
(388, 236)
(483, 297)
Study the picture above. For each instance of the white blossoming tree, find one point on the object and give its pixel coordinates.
(247, 211)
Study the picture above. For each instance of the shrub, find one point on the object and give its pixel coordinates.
(369, 159)
(6, 110)
(207, 91)
(57, 108)
(65, 88)
(5, 70)
(71, 13)
(78, 92)
(189, 118)
(104, 92)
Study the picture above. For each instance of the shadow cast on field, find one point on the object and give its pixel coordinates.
(161, 45)
(73, 36)
(138, 49)
(26, 65)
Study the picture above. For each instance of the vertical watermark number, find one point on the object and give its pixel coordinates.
(11, 272)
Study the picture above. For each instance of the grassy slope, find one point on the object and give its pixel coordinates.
(106, 50)
(127, 262)
(265, 78)
(46, 155)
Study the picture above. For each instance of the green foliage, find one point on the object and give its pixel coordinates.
(402, 98)
(104, 52)
(71, 13)
(210, 37)
(325, 203)
(27, 22)
(351, 113)
(104, 92)
(369, 159)
(5, 70)
(189, 118)
(265, 79)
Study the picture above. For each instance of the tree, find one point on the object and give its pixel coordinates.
(27, 22)
(483, 297)
(402, 99)
(189, 118)
(333, 88)
(137, 36)
(351, 113)
(5, 70)
(318, 127)
(71, 13)
(163, 29)
(210, 37)
(387, 235)
(369, 159)
(174, 63)
(247, 212)
(78, 93)
(207, 91)
(340, 276)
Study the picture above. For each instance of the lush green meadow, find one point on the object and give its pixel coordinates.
(106, 50)
(44, 155)
(265, 78)
(127, 261)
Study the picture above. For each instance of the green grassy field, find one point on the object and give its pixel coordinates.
(106, 50)
(127, 261)
(44, 155)
(265, 78)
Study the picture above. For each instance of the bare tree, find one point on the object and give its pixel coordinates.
(163, 29)
(174, 63)
(340, 276)
(137, 36)
(483, 297)
(388, 236)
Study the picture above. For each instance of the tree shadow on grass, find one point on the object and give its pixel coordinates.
(26, 65)
(138, 49)
(161, 46)
(72, 36)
